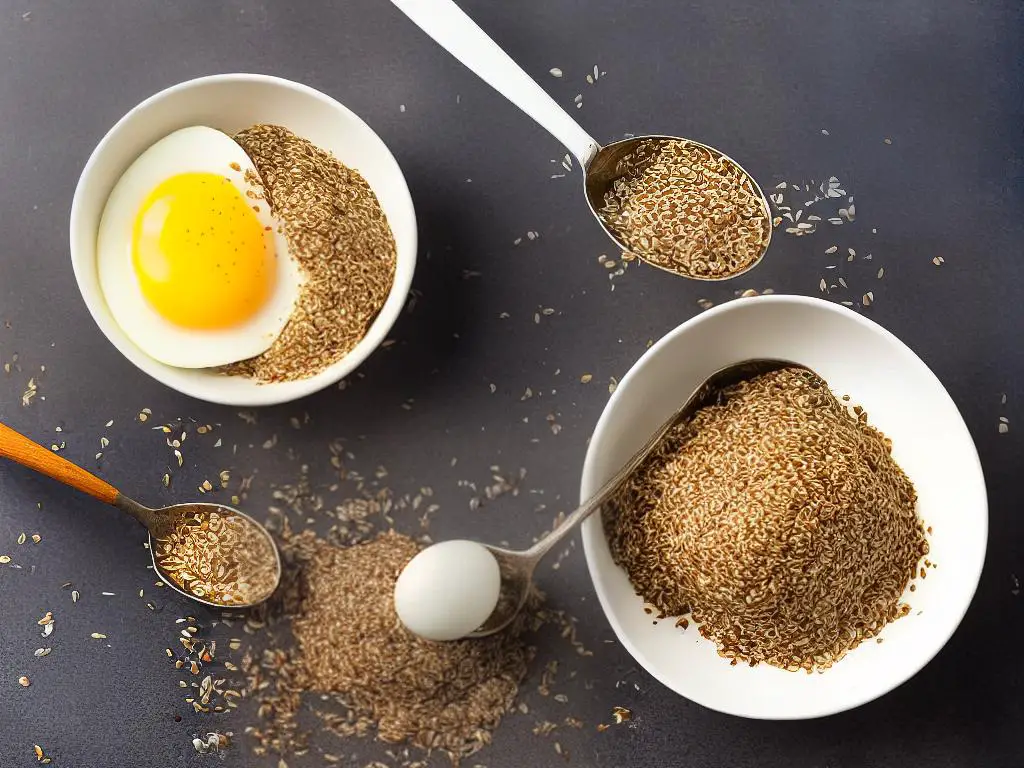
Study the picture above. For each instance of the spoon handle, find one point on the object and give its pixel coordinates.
(605, 492)
(444, 21)
(20, 449)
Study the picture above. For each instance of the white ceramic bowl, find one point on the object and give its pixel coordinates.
(903, 398)
(230, 103)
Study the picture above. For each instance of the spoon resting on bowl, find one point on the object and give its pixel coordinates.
(460, 588)
(211, 553)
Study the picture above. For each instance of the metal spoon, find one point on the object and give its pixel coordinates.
(517, 567)
(159, 522)
(444, 21)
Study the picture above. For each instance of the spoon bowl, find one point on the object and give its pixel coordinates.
(605, 167)
(162, 522)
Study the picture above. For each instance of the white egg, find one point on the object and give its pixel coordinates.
(448, 590)
(190, 259)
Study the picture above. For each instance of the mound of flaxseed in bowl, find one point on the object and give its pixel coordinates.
(338, 233)
(777, 519)
(337, 647)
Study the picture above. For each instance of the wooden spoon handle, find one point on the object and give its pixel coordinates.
(19, 448)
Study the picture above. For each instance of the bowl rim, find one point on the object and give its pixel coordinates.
(262, 394)
(593, 534)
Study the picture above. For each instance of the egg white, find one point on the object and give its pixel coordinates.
(195, 149)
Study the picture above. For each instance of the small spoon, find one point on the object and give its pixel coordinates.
(517, 567)
(450, 27)
(159, 522)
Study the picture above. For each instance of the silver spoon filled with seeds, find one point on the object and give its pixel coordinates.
(459, 588)
(679, 205)
(209, 552)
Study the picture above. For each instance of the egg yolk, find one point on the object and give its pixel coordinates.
(201, 255)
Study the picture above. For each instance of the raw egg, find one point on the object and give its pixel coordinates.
(191, 261)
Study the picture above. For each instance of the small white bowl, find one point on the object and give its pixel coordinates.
(230, 103)
(903, 398)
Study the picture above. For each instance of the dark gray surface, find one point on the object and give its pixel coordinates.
(759, 80)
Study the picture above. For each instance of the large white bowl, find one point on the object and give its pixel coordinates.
(230, 103)
(930, 441)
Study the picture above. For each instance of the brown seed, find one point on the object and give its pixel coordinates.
(338, 233)
(686, 526)
(219, 557)
(347, 641)
(687, 209)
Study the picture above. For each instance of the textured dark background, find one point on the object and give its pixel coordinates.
(941, 78)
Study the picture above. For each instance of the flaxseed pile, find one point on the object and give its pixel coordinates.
(221, 557)
(365, 674)
(778, 519)
(340, 236)
(681, 207)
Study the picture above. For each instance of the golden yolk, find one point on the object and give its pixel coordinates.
(200, 253)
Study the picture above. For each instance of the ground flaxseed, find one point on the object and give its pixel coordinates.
(364, 673)
(218, 556)
(683, 207)
(778, 519)
(338, 233)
